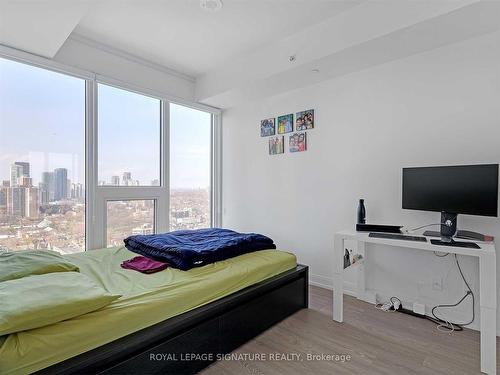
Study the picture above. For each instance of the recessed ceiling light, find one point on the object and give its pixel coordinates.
(315, 70)
(211, 5)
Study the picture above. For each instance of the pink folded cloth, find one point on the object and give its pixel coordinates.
(144, 265)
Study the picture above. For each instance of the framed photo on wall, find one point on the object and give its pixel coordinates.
(304, 120)
(297, 142)
(285, 124)
(276, 145)
(267, 127)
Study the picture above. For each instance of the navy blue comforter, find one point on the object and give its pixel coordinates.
(185, 249)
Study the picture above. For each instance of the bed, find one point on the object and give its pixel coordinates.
(206, 310)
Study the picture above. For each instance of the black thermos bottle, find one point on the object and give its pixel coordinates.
(361, 212)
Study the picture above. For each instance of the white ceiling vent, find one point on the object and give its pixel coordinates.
(211, 5)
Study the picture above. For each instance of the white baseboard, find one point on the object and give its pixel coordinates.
(350, 289)
(327, 283)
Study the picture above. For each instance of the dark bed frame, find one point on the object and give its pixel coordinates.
(202, 334)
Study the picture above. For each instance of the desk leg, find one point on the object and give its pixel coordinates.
(488, 340)
(360, 279)
(488, 302)
(338, 280)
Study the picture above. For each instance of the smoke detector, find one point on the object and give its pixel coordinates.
(211, 5)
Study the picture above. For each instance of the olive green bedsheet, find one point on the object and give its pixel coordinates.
(146, 300)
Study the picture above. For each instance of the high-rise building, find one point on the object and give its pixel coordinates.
(127, 178)
(115, 180)
(31, 203)
(25, 167)
(77, 191)
(15, 201)
(6, 183)
(3, 199)
(47, 187)
(25, 182)
(60, 184)
(18, 169)
(15, 172)
(43, 194)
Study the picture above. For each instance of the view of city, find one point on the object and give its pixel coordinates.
(48, 216)
(52, 214)
(190, 209)
(42, 153)
(125, 218)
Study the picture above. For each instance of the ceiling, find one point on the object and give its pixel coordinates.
(242, 52)
(181, 35)
(37, 26)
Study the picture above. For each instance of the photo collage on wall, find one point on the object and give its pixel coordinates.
(296, 142)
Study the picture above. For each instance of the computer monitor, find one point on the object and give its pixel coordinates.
(452, 190)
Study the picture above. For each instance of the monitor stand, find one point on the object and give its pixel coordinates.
(448, 230)
(448, 226)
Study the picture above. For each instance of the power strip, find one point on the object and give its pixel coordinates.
(410, 312)
(418, 309)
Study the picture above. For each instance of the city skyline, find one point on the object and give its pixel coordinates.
(47, 176)
(42, 160)
(51, 216)
(42, 121)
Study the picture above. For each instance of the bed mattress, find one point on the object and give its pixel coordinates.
(146, 300)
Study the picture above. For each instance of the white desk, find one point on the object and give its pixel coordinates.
(487, 283)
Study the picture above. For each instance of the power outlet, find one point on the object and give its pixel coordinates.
(437, 284)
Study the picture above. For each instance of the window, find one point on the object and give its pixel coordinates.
(126, 218)
(42, 159)
(190, 168)
(129, 138)
(131, 166)
(71, 181)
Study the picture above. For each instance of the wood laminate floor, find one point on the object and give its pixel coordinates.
(378, 343)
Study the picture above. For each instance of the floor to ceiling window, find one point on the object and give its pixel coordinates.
(130, 143)
(86, 163)
(190, 168)
(42, 159)
(129, 128)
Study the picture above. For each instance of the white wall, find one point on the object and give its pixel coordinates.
(436, 108)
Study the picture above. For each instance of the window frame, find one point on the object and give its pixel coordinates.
(96, 197)
(107, 193)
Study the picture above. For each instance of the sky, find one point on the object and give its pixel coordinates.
(42, 119)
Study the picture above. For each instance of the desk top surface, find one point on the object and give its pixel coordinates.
(486, 247)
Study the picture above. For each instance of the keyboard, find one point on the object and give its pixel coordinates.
(397, 237)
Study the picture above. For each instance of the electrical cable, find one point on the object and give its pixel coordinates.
(469, 292)
(390, 306)
(429, 225)
(423, 226)
(443, 325)
(393, 297)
